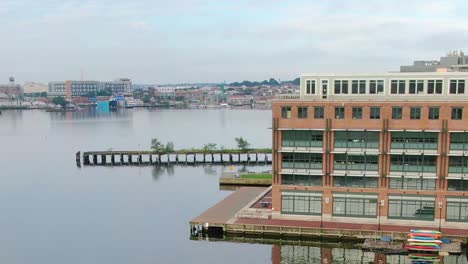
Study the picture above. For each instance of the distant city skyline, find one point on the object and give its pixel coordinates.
(196, 41)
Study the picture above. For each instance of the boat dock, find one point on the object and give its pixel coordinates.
(121, 158)
(397, 247)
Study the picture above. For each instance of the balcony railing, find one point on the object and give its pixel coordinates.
(301, 165)
(303, 144)
(457, 169)
(413, 168)
(288, 96)
(358, 167)
(349, 144)
(402, 145)
(458, 146)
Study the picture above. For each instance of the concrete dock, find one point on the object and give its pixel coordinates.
(233, 178)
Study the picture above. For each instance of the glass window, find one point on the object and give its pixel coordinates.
(413, 163)
(301, 160)
(457, 113)
(457, 211)
(304, 203)
(339, 112)
(375, 113)
(362, 86)
(411, 207)
(357, 112)
(433, 113)
(376, 86)
(302, 138)
(357, 139)
(355, 182)
(398, 86)
(412, 183)
(416, 86)
(397, 112)
(457, 87)
(302, 112)
(318, 112)
(355, 87)
(341, 87)
(415, 113)
(286, 112)
(355, 205)
(310, 86)
(457, 185)
(356, 162)
(301, 180)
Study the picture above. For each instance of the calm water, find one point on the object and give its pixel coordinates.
(53, 212)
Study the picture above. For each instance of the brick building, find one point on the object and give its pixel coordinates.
(384, 151)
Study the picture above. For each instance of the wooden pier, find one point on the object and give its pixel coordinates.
(121, 158)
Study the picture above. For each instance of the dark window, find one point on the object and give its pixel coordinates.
(286, 112)
(457, 86)
(397, 112)
(337, 87)
(362, 86)
(301, 180)
(433, 113)
(341, 87)
(415, 113)
(457, 113)
(357, 112)
(339, 112)
(375, 113)
(318, 112)
(310, 87)
(376, 86)
(434, 87)
(302, 112)
(355, 87)
(416, 87)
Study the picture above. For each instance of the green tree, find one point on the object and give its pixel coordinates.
(242, 144)
(209, 147)
(157, 146)
(59, 101)
(169, 147)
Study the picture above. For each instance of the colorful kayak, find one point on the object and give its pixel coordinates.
(422, 237)
(425, 231)
(438, 242)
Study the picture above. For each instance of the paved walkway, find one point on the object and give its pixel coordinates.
(223, 211)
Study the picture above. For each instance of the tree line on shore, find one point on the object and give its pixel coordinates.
(242, 145)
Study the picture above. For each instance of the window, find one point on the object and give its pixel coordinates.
(310, 86)
(357, 139)
(412, 183)
(433, 113)
(457, 113)
(301, 160)
(375, 113)
(302, 138)
(398, 87)
(457, 86)
(358, 87)
(416, 86)
(357, 112)
(354, 205)
(434, 86)
(359, 162)
(457, 185)
(457, 209)
(302, 112)
(286, 112)
(415, 113)
(341, 87)
(318, 112)
(397, 112)
(301, 180)
(458, 164)
(414, 140)
(411, 207)
(355, 182)
(339, 112)
(458, 141)
(305, 203)
(413, 163)
(376, 86)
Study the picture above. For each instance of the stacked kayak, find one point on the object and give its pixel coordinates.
(424, 240)
(423, 258)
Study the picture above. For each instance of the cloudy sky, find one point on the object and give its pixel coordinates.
(160, 41)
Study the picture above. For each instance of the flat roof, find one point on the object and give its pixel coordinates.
(387, 74)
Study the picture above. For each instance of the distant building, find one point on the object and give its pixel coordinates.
(454, 61)
(11, 89)
(82, 88)
(35, 88)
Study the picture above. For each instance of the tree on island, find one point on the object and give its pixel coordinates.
(169, 147)
(59, 100)
(242, 144)
(157, 146)
(210, 147)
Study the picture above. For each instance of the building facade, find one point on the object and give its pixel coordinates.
(10, 90)
(83, 88)
(453, 61)
(386, 151)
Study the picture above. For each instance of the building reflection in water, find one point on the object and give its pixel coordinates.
(295, 254)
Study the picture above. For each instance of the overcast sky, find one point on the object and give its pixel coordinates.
(161, 41)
